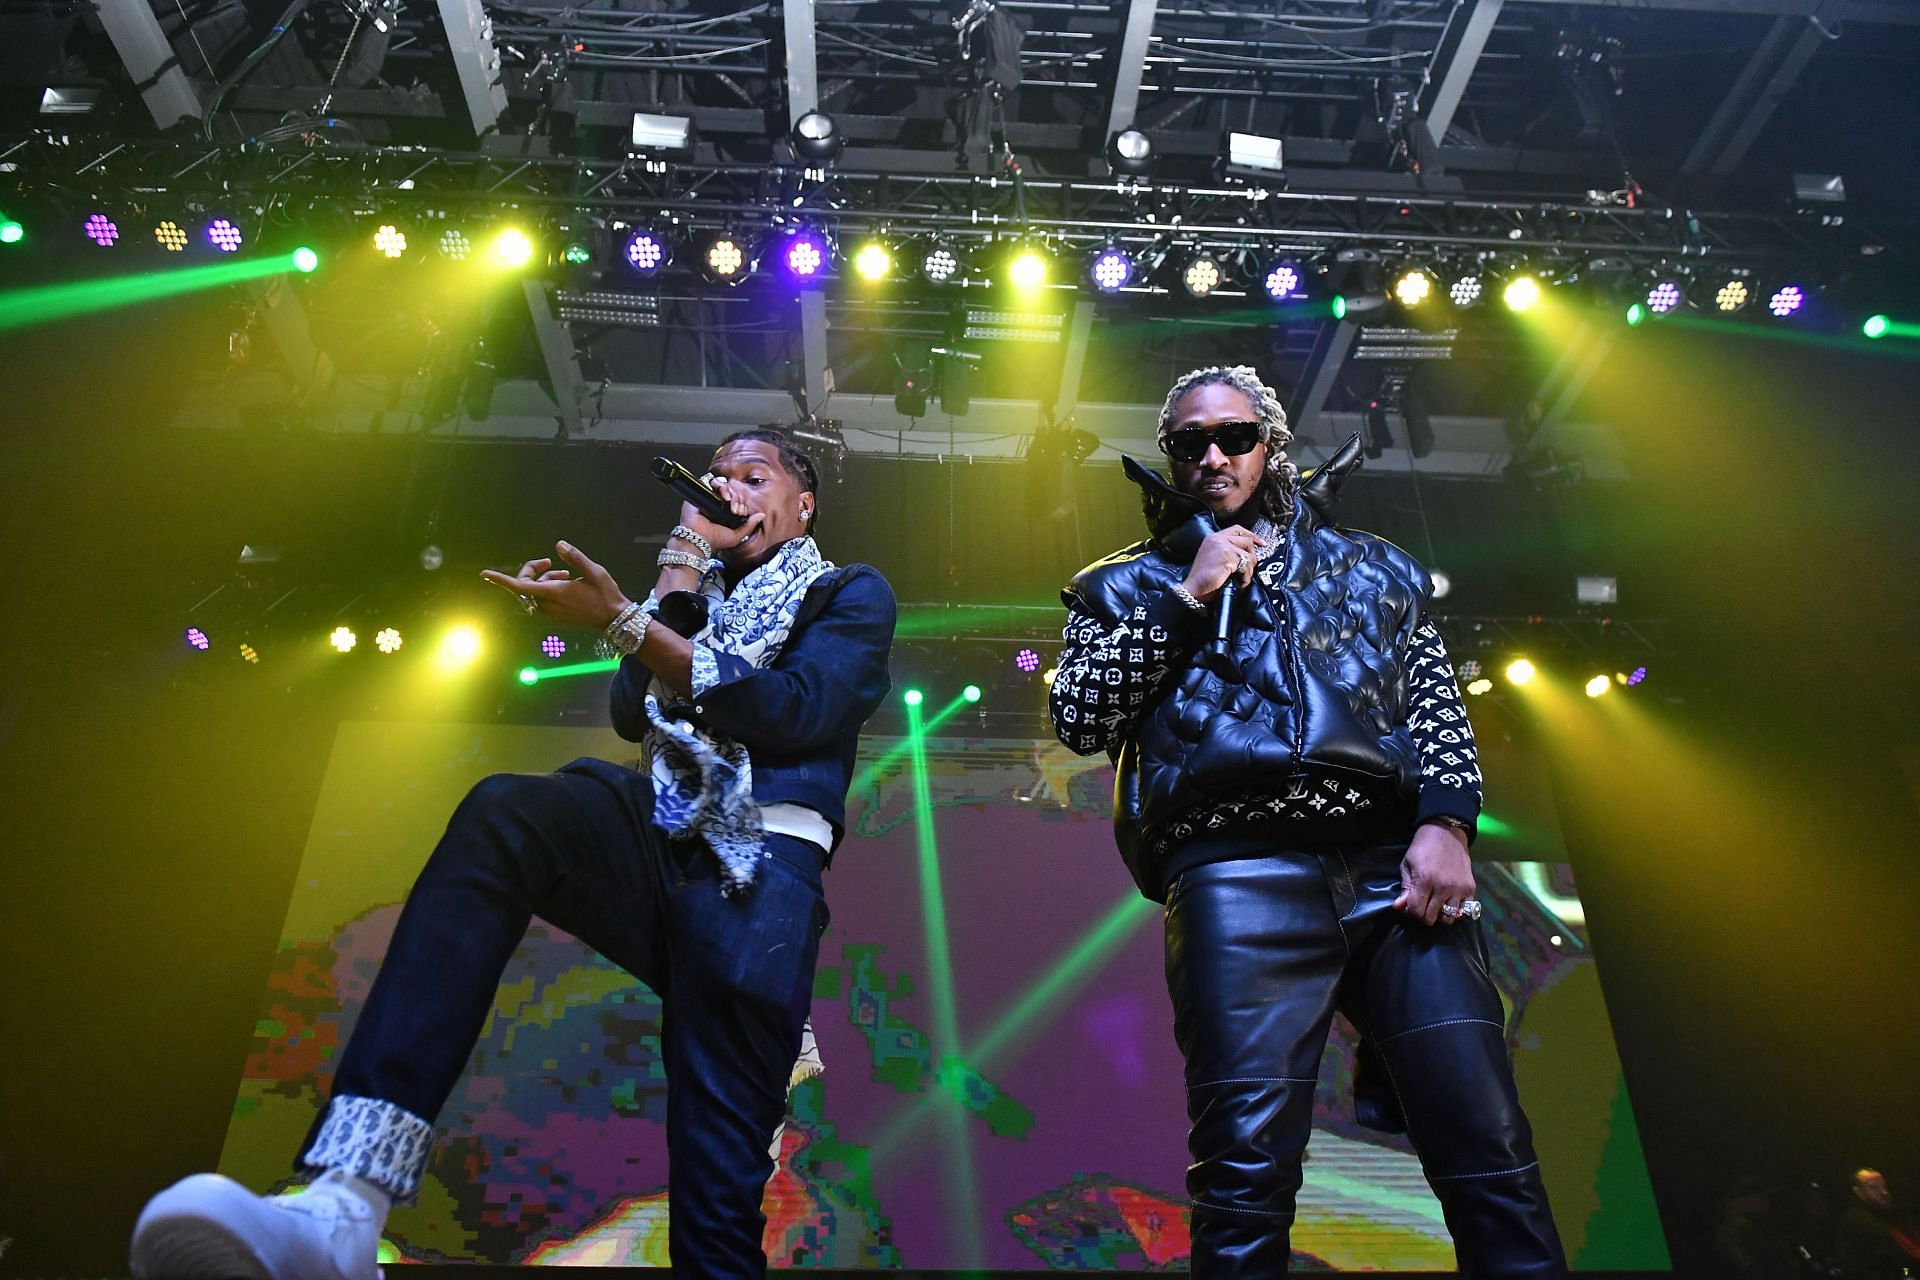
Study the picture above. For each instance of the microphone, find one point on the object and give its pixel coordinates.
(688, 486)
(1223, 621)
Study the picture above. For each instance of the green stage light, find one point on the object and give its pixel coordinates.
(576, 254)
(529, 676)
(11, 232)
(1637, 313)
(1339, 306)
(913, 697)
(971, 693)
(1877, 326)
(305, 260)
(41, 304)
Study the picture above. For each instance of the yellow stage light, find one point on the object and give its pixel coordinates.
(1598, 686)
(873, 261)
(1522, 293)
(461, 645)
(1028, 270)
(1520, 671)
(387, 640)
(511, 249)
(1413, 288)
(343, 639)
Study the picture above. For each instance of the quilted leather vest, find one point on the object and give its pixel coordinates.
(1312, 676)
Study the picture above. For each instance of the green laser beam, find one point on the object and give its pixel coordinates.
(1783, 332)
(42, 304)
(1887, 327)
(571, 669)
(963, 1212)
(1080, 962)
(871, 774)
(1065, 976)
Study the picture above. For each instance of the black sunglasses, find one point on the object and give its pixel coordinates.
(1190, 444)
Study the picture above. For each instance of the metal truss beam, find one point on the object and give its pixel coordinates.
(150, 61)
(631, 413)
(1896, 11)
(476, 61)
(1461, 44)
(972, 209)
(803, 95)
(803, 72)
(1129, 65)
(1767, 78)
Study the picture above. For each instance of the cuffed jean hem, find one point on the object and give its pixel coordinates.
(383, 1143)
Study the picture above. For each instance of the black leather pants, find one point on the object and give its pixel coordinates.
(1260, 952)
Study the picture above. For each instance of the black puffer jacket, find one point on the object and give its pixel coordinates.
(1313, 676)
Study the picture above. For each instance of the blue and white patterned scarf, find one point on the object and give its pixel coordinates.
(703, 781)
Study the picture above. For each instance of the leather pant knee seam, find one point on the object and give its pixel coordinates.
(1444, 1022)
(1284, 1215)
(1497, 1173)
(1208, 1084)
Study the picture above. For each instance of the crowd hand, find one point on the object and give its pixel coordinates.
(1220, 558)
(719, 536)
(1436, 871)
(583, 595)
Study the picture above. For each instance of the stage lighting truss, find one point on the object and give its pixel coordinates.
(1111, 268)
(645, 251)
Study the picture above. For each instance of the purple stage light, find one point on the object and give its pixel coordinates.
(805, 255)
(1027, 660)
(646, 252)
(1663, 297)
(1635, 676)
(1786, 300)
(224, 235)
(102, 230)
(1112, 271)
(198, 638)
(1283, 281)
(553, 646)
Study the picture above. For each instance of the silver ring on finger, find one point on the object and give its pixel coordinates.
(1471, 909)
(1242, 564)
(531, 606)
(1450, 911)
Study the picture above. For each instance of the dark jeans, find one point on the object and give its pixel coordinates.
(1260, 952)
(734, 975)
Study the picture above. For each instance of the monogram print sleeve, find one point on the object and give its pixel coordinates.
(1107, 672)
(1438, 719)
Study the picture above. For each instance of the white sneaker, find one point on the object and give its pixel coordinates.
(207, 1227)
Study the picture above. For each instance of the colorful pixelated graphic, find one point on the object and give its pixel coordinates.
(1046, 1131)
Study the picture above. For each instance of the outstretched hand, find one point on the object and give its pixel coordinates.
(583, 595)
